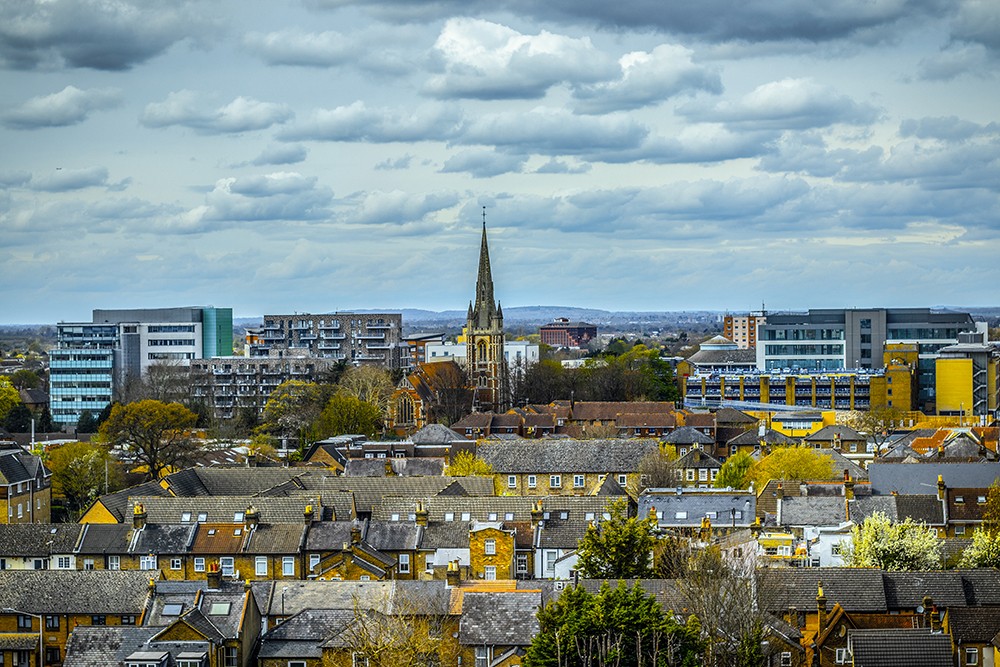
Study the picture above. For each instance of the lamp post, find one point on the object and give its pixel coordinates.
(41, 627)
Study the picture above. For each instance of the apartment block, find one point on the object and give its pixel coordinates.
(357, 338)
(93, 361)
(840, 339)
(742, 329)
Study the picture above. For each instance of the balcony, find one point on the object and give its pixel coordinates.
(370, 336)
(274, 335)
(370, 357)
(378, 346)
(307, 336)
(273, 326)
(326, 336)
(329, 346)
(381, 325)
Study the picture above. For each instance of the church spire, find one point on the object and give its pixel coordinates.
(484, 282)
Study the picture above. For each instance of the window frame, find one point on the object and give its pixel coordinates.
(288, 566)
(490, 547)
(199, 564)
(579, 481)
(511, 481)
(532, 481)
(114, 562)
(260, 566)
(555, 481)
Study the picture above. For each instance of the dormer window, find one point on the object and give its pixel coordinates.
(202, 517)
(959, 500)
(185, 517)
(237, 517)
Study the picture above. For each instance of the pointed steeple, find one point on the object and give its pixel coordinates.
(484, 282)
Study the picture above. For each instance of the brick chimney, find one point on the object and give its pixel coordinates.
(536, 514)
(848, 486)
(941, 487)
(389, 472)
(928, 604)
(308, 514)
(421, 514)
(453, 575)
(820, 607)
(251, 517)
(214, 577)
(139, 516)
(355, 534)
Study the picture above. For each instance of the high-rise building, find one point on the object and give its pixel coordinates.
(484, 340)
(93, 362)
(968, 378)
(742, 329)
(357, 338)
(840, 339)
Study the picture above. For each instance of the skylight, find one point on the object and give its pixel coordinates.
(172, 609)
(219, 609)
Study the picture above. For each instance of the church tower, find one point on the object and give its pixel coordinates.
(484, 340)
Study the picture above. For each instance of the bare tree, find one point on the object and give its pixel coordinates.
(400, 631)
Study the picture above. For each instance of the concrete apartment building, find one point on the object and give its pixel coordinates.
(93, 361)
(742, 329)
(839, 339)
(357, 338)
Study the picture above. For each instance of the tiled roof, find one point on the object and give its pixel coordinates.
(733, 416)
(229, 481)
(609, 410)
(700, 419)
(74, 591)
(118, 502)
(285, 538)
(224, 509)
(16, 465)
(697, 458)
(969, 509)
(767, 499)
(813, 511)
(405, 467)
(101, 646)
(567, 456)
(832, 432)
(499, 619)
(646, 420)
(854, 589)
(97, 538)
(891, 648)
(218, 538)
(38, 539)
(973, 624)
(688, 435)
(906, 590)
(771, 437)
(981, 586)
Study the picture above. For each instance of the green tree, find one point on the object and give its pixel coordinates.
(617, 547)
(87, 422)
(25, 379)
(18, 419)
(906, 545)
(45, 424)
(81, 472)
(9, 397)
(467, 464)
(791, 463)
(155, 435)
(346, 413)
(618, 626)
(733, 473)
(877, 423)
(985, 548)
(292, 409)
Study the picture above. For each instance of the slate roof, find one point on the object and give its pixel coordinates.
(924, 508)
(17, 465)
(767, 498)
(302, 635)
(567, 456)
(38, 539)
(74, 591)
(393, 536)
(300, 595)
(733, 416)
(697, 458)
(842, 463)
(405, 467)
(108, 538)
(436, 434)
(771, 437)
(981, 586)
(698, 505)
(487, 508)
(688, 435)
(740, 357)
(284, 538)
(830, 433)
(164, 538)
(328, 535)
(228, 481)
(369, 491)
(914, 647)
(442, 535)
(100, 646)
(223, 509)
(917, 478)
(813, 511)
(499, 619)
(666, 591)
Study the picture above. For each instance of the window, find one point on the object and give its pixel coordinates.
(237, 517)
(960, 529)
(313, 561)
(509, 516)
(114, 563)
(492, 516)
(202, 517)
(971, 656)
(147, 562)
(449, 516)
(703, 474)
(40, 564)
(24, 622)
(128, 619)
(959, 500)
(51, 622)
(690, 474)
(51, 655)
(260, 566)
(786, 659)
(62, 562)
(578, 481)
(172, 609)
(522, 563)
(296, 663)
(357, 660)
(230, 657)
(185, 517)
(404, 563)
(219, 609)
(555, 481)
(511, 481)
(622, 479)
(99, 619)
(466, 516)
(227, 565)
(175, 563)
(365, 577)
(680, 515)
(532, 481)
(841, 656)
(490, 573)
(199, 564)
(88, 563)
(288, 566)
(482, 656)
(490, 547)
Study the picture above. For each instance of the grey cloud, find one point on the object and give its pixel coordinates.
(278, 196)
(186, 109)
(483, 163)
(396, 208)
(648, 78)
(699, 143)
(71, 179)
(554, 166)
(978, 21)
(67, 107)
(950, 128)
(280, 154)
(968, 165)
(358, 122)
(786, 104)
(9, 179)
(399, 163)
(304, 49)
(93, 34)
(954, 61)
(548, 130)
(485, 60)
(714, 20)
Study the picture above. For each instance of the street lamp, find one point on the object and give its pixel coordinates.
(41, 627)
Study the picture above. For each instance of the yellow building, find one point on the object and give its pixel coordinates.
(25, 491)
(967, 382)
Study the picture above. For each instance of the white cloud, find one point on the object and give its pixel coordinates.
(67, 107)
(483, 163)
(187, 109)
(63, 180)
(359, 122)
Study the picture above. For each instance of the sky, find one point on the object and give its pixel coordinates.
(322, 155)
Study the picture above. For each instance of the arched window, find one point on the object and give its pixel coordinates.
(404, 410)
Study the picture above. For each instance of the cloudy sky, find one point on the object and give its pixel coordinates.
(317, 155)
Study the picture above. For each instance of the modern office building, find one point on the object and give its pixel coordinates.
(93, 361)
(357, 338)
(563, 333)
(848, 339)
(968, 379)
